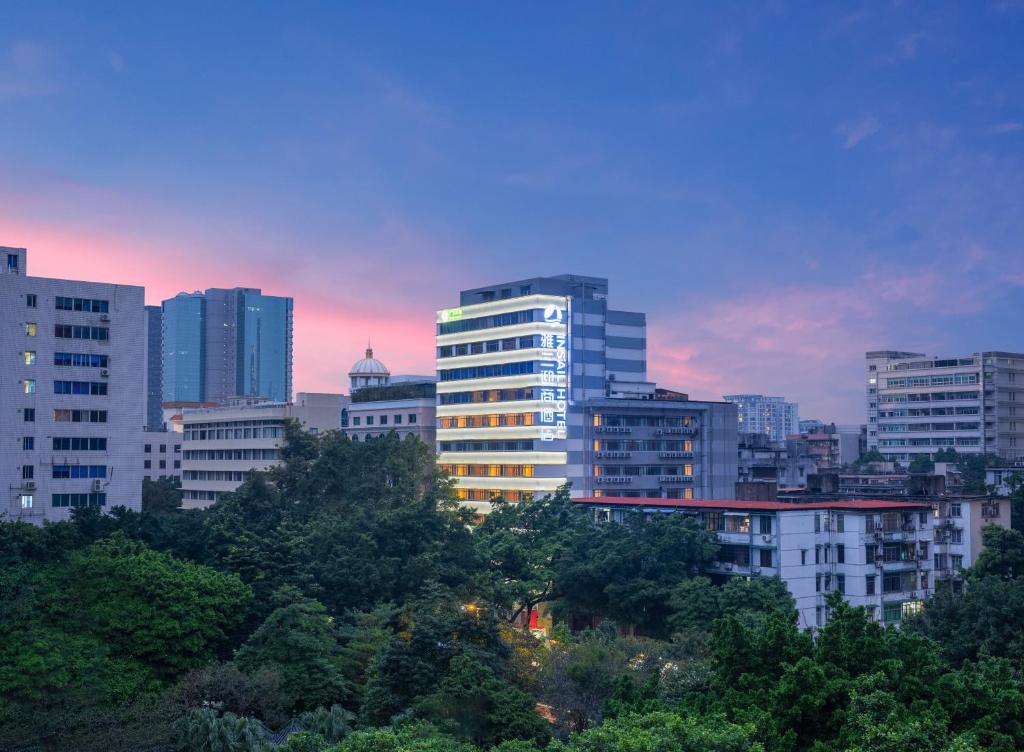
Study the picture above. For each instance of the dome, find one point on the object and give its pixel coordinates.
(368, 372)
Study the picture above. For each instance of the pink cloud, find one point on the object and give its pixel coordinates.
(853, 133)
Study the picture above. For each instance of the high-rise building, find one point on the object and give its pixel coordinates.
(227, 343)
(154, 368)
(918, 405)
(524, 369)
(771, 416)
(72, 399)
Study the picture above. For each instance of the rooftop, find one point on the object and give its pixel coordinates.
(861, 505)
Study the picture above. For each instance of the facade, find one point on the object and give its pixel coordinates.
(71, 397)
(516, 364)
(761, 460)
(408, 408)
(771, 416)
(919, 405)
(829, 446)
(154, 368)
(675, 449)
(221, 446)
(884, 555)
(161, 455)
(226, 343)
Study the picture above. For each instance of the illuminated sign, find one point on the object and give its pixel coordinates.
(449, 314)
(555, 367)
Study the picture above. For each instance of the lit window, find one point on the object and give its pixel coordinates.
(30, 386)
(30, 357)
(687, 469)
(30, 329)
(26, 501)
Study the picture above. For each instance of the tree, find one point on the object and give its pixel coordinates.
(297, 642)
(1002, 554)
(161, 496)
(664, 731)
(204, 731)
(921, 463)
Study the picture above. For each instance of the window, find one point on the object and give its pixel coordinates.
(26, 501)
(30, 357)
(956, 535)
(31, 301)
(356, 420)
(94, 388)
(83, 304)
(67, 331)
(163, 464)
(28, 443)
(79, 471)
(803, 556)
(817, 523)
(869, 584)
(383, 420)
(412, 418)
(956, 561)
(148, 448)
(369, 420)
(83, 360)
(766, 557)
(817, 554)
(398, 420)
(891, 612)
(147, 464)
(12, 261)
(841, 583)
(28, 472)
(79, 500)
(30, 329)
(80, 416)
(163, 448)
(840, 523)
(765, 525)
(954, 509)
(29, 415)
(817, 583)
(29, 386)
(840, 553)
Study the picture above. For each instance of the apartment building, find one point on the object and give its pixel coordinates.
(72, 401)
(671, 448)
(918, 404)
(225, 343)
(222, 446)
(770, 416)
(884, 555)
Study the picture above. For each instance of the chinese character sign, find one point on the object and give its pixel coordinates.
(554, 375)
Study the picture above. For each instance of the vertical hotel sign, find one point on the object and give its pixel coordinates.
(555, 372)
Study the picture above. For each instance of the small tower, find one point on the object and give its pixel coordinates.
(368, 372)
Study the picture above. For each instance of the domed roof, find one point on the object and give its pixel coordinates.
(369, 366)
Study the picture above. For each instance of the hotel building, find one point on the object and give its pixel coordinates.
(523, 368)
(72, 398)
(917, 405)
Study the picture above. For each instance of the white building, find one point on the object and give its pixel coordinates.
(222, 446)
(918, 405)
(883, 555)
(161, 455)
(771, 416)
(382, 404)
(71, 393)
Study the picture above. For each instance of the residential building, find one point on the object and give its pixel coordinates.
(771, 416)
(883, 555)
(830, 446)
(225, 343)
(524, 368)
(161, 455)
(222, 446)
(72, 401)
(760, 459)
(918, 404)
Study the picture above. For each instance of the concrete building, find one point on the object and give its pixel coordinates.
(222, 446)
(830, 446)
(761, 460)
(382, 403)
(154, 368)
(883, 555)
(226, 343)
(918, 404)
(771, 416)
(72, 400)
(161, 455)
(519, 365)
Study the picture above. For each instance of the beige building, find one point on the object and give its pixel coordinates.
(382, 403)
(223, 445)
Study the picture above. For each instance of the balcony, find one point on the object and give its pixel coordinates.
(614, 479)
(683, 431)
(675, 455)
(607, 455)
(613, 429)
(675, 479)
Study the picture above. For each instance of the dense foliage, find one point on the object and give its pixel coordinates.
(346, 596)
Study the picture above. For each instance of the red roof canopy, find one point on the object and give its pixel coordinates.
(862, 505)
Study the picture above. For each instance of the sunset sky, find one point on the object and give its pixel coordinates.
(780, 189)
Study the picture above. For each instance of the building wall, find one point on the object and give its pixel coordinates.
(222, 446)
(154, 368)
(407, 417)
(771, 416)
(123, 405)
(161, 455)
(184, 348)
(918, 405)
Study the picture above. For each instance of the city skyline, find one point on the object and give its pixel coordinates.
(774, 219)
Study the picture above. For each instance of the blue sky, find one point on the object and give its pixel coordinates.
(781, 186)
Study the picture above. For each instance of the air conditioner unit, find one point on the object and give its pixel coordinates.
(97, 485)
(29, 485)
(766, 538)
(104, 317)
(104, 372)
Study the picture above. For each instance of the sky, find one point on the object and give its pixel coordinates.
(780, 186)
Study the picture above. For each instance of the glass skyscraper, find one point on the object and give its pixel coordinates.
(227, 343)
